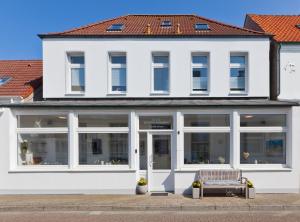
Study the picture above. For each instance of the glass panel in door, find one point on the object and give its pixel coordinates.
(161, 152)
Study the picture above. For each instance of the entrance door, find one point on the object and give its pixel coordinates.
(159, 152)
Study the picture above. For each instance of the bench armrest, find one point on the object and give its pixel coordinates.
(244, 180)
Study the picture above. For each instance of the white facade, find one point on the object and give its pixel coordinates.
(289, 66)
(139, 66)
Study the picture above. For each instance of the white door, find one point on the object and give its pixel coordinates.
(159, 153)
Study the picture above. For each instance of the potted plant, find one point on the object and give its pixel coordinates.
(142, 187)
(251, 190)
(196, 189)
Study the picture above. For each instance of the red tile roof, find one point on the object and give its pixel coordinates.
(150, 25)
(283, 27)
(26, 76)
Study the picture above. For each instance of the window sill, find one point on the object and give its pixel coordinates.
(238, 93)
(75, 94)
(117, 94)
(159, 93)
(197, 167)
(203, 93)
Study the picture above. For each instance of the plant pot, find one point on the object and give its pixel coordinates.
(141, 189)
(251, 193)
(196, 193)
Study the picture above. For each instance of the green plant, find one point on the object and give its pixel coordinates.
(250, 184)
(196, 184)
(142, 182)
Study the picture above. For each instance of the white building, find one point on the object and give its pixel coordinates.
(156, 96)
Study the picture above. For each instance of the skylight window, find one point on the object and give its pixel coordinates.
(166, 23)
(201, 26)
(4, 80)
(115, 27)
(298, 26)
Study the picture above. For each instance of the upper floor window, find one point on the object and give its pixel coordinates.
(77, 72)
(160, 69)
(4, 80)
(238, 72)
(199, 73)
(118, 72)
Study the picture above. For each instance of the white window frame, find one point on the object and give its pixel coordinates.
(69, 66)
(102, 130)
(110, 67)
(268, 129)
(160, 65)
(209, 129)
(200, 65)
(235, 65)
(14, 166)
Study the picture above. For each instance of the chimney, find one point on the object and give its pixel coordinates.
(178, 29)
(148, 29)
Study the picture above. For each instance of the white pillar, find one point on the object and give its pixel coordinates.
(179, 141)
(73, 140)
(133, 143)
(235, 140)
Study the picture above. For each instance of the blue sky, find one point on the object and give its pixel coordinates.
(22, 20)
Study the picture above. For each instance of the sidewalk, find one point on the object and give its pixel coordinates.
(263, 202)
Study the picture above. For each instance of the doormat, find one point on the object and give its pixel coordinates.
(159, 194)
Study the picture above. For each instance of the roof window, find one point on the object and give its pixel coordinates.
(4, 80)
(298, 26)
(201, 26)
(166, 23)
(115, 27)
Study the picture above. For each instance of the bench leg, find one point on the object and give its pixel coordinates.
(201, 192)
(246, 192)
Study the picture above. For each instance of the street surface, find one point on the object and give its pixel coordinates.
(141, 216)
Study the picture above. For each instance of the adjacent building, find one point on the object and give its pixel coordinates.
(155, 96)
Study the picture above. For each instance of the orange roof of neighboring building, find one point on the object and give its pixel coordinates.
(25, 77)
(150, 25)
(283, 27)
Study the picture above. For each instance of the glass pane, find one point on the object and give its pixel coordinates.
(199, 60)
(161, 59)
(103, 149)
(200, 79)
(161, 152)
(161, 79)
(206, 148)
(77, 79)
(263, 148)
(77, 60)
(118, 79)
(103, 120)
(143, 151)
(43, 149)
(238, 60)
(263, 120)
(237, 79)
(118, 59)
(201, 120)
(156, 122)
(38, 121)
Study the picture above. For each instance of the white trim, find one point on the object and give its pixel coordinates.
(103, 129)
(206, 129)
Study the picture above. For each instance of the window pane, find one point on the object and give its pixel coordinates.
(118, 79)
(156, 122)
(161, 59)
(238, 60)
(103, 120)
(43, 149)
(206, 148)
(199, 59)
(263, 120)
(38, 121)
(237, 79)
(77, 79)
(200, 79)
(103, 149)
(77, 60)
(161, 145)
(201, 120)
(161, 79)
(263, 148)
(118, 59)
(143, 151)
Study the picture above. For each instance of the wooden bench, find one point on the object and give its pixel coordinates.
(216, 179)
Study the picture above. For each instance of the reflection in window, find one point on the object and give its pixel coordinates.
(263, 120)
(263, 148)
(206, 148)
(40, 121)
(77, 71)
(203, 120)
(103, 120)
(103, 148)
(200, 72)
(43, 149)
(237, 72)
(160, 72)
(118, 72)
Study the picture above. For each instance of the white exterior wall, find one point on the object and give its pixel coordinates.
(289, 72)
(139, 52)
(59, 179)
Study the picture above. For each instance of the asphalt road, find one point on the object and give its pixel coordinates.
(150, 216)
